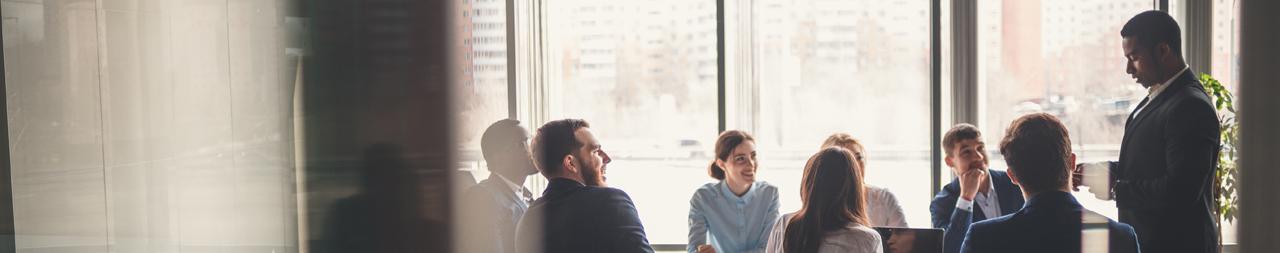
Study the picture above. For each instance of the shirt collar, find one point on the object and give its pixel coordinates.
(728, 194)
(1154, 91)
(519, 189)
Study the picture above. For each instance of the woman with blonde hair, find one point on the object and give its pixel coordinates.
(882, 206)
(736, 213)
(833, 215)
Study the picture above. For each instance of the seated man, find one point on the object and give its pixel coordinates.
(976, 194)
(492, 208)
(577, 212)
(1038, 152)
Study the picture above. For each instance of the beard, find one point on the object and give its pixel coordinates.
(591, 175)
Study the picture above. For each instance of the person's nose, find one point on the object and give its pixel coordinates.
(980, 156)
(1129, 68)
(606, 157)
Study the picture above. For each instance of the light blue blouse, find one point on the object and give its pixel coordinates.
(736, 224)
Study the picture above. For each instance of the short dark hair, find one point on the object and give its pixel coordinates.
(725, 144)
(1151, 28)
(554, 141)
(960, 132)
(1038, 151)
(497, 137)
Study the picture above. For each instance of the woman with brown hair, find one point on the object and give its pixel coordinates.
(833, 216)
(736, 213)
(882, 206)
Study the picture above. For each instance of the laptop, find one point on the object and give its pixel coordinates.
(911, 240)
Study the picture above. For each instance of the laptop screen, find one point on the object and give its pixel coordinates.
(911, 240)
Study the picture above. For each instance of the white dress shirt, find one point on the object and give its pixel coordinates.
(1154, 91)
(989, 202)
(883, 209)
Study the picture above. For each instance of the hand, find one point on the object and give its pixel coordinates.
(706, 249)
(969, 182)
(1077, 177)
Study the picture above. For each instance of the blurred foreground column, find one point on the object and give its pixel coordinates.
(377, 124)
(1259, 121)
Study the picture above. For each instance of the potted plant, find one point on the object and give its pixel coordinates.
(1225, 199)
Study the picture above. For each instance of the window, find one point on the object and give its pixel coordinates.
(1226, 65)
(658, 124)
(813, 87)
(484, 101)
(1047, 61)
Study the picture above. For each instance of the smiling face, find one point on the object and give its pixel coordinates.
(740, 166)
(590, 158)
(966, 155)
(1142, 64)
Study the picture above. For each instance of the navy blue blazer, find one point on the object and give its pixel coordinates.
(956, 222)
(1049, 222)
(491, 211)
(1164, 177)
(571, 217)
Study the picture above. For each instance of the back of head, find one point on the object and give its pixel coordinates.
(832, 195)
(958, 133)
(1151, 28)
(725, 144)
(553, 142)
(841, 140)
(1038, 151)
(499, 136)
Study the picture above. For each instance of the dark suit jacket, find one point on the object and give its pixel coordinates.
(956, 222)
(571, 217)
(491, 211)
(1164, 187)
(1049, 222)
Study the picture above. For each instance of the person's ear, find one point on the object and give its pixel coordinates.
(569, 165)
(1162, 51)
(1072, 166)
(720, 163)
(1012, 177)
(948, 160)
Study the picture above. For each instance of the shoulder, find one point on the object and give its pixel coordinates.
(854, 237)
(605, 195)
(949, 193)
(709, 190)
(766, 189)
(993, 224)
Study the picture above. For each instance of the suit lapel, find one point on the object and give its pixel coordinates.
(1146, 110)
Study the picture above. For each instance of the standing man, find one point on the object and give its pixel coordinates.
(976, 194)
(492, 208)
(1162, 183)
(577, 211)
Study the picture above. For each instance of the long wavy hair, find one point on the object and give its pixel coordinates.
(833, 196)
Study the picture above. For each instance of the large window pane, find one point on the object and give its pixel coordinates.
(643, 73)
(481, 48)
(1061, 58)
(856, 67)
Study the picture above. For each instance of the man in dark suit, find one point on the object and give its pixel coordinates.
(492, 208)
(577, 212)
(1163, 181)
(976, 194)
(1038, 151)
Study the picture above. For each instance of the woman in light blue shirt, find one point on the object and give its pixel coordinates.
(737, 213)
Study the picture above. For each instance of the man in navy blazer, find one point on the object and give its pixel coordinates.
(492, 208)
(577, 212)
(1038, 151)
(976, 194)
